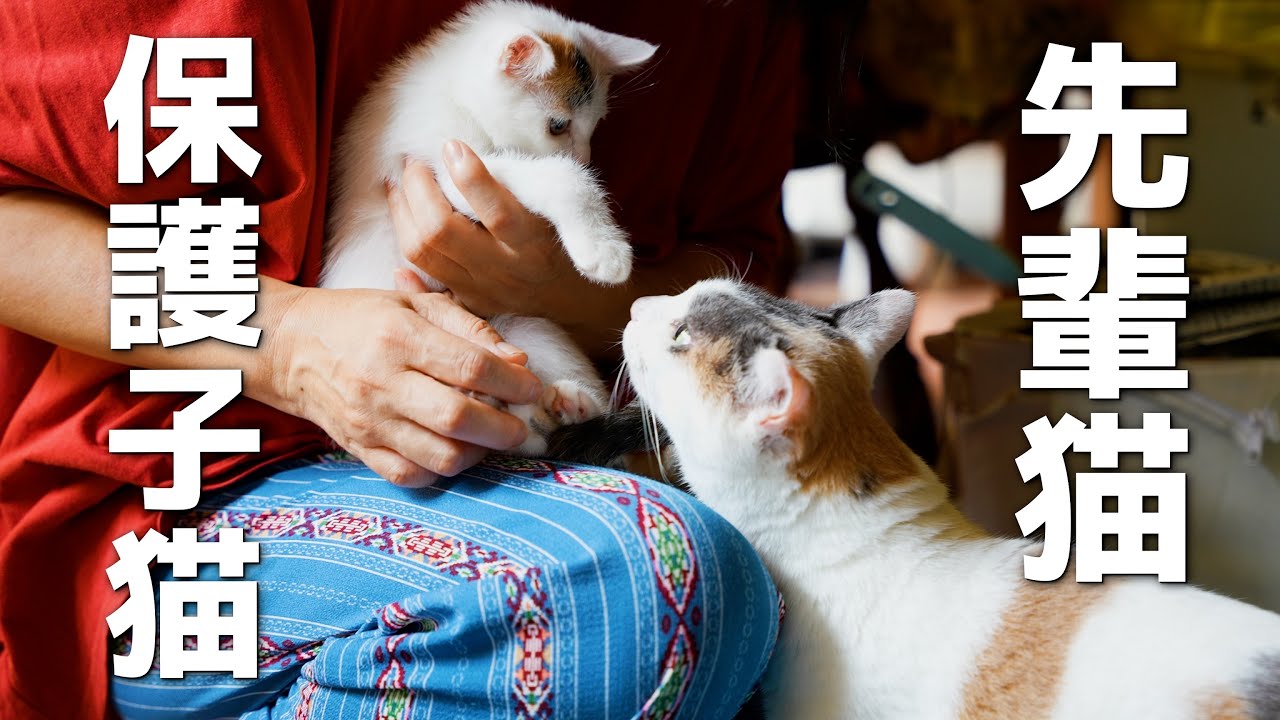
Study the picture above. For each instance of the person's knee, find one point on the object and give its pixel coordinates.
(705, 613)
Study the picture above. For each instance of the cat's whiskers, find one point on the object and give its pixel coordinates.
(648, 422)
(630, 84)
(652, 434)
(617, 382)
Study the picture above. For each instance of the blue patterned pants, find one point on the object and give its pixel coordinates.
(519, 589)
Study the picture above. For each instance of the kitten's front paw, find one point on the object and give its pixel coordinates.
(564, 402)
(571, 402)
(605, 257)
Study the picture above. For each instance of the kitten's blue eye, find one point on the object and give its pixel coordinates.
(682, 338)
(558, 126)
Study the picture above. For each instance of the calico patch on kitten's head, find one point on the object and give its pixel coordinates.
(742, 379)
(547, 79)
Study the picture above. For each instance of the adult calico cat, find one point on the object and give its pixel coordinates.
(897, 606)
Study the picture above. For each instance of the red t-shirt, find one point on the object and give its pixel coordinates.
(695, 155)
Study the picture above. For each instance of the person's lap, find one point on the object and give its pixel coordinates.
(519, 589)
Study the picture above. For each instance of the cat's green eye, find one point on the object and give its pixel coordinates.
(558, 126)
(682, 337)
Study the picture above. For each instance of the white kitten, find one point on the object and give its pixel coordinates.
(524, 87)
(898, 607)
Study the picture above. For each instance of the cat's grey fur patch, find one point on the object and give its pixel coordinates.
(1262, 691)
(753, 319)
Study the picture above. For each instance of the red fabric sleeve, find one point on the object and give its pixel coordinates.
(63, 497)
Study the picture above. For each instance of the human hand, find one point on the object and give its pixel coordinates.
(384, 374)
(511, 261)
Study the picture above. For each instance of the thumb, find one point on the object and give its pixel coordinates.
(444, 313)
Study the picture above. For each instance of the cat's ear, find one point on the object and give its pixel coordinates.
(619, 52)
(527, 57)
(779, 394)
(876, 323)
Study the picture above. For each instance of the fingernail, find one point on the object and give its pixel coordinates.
(453, 152)
(510, 350)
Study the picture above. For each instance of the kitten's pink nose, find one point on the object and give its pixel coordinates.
(643, 306)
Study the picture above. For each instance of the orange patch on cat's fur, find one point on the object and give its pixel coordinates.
(711, 363)
(565, 81)
(1223, 705)
(843, 445)
(1018, 673)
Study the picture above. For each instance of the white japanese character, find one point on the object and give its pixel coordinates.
(204, 126)
(205, 271)
(1105, 341)
(186, 440)
(1107, 74)
(1133, 509)
(224, 617)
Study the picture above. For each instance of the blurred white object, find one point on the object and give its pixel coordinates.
(814, 203)
(854, 282)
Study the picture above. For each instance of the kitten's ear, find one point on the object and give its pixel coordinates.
(527, 57)
(619, 52)
(876, 323)
(779, 393)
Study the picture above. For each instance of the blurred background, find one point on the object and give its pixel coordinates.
(909, 174)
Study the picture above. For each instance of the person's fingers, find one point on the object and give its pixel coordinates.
(395, 468)
(445, 313)
(426, 201)
(498, 210)
(452, 414)
(464, 364)
(443, 456)
(422, 250)
(408, 281)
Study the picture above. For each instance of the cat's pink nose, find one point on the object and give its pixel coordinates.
(643, 306)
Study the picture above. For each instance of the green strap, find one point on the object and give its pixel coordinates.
(983, 257)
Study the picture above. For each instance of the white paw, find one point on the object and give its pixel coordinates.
(570, 402)
(605, 257)
(564, 402)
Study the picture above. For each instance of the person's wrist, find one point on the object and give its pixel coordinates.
(267, 378)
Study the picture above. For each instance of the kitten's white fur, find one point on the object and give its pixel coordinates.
(885, 618)
(457, 84)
